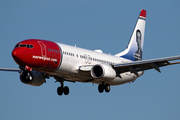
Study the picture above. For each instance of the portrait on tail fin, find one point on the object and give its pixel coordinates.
(138, 53)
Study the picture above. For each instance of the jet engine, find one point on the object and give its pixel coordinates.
(103, 71)
(33, 78)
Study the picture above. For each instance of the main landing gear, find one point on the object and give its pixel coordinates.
(65, 90)
(62, 89)
(103, 87)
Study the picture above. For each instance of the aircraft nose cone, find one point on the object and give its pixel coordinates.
(17, 54)
(14, 53)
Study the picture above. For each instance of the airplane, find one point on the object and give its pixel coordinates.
(39, 60)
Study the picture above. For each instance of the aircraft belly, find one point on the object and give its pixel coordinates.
(125, 77)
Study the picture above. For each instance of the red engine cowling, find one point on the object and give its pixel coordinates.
(103, 71)
(32, 78)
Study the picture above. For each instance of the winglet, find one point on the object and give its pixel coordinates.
(143, 13)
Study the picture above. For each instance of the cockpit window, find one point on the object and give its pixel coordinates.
(30, 46)
(16, 46)
(24, 45)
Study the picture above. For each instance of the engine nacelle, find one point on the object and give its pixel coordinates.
(32, 78)
(103, 71)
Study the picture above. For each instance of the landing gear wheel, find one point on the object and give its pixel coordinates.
(59, 90)
(101, 88)
(107, 87)
(66, 90)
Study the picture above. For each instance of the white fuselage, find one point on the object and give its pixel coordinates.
(73, 58)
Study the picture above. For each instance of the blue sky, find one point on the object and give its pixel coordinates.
(93, 24)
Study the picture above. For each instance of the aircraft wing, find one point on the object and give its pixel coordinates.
(11, 69)
(136, 66)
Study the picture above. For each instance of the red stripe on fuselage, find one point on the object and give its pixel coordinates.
(41, 55)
